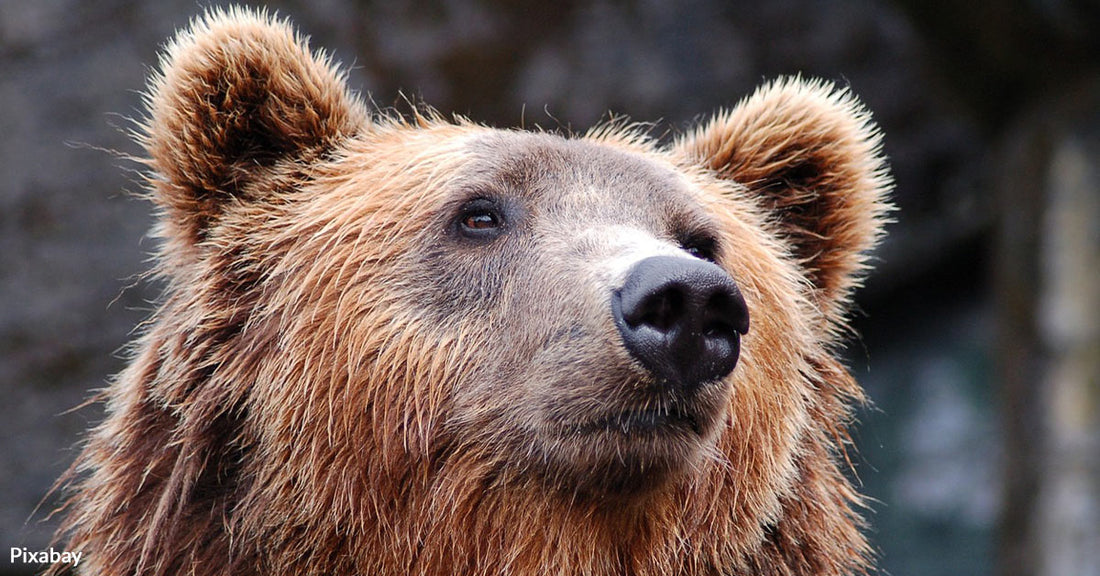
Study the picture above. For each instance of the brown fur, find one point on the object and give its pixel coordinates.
(335, 384)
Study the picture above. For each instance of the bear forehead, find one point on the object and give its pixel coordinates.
(617, 180)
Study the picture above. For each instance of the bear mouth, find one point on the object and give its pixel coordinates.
(627, 452)
(643, 422)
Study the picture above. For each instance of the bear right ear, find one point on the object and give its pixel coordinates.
(811, 157)
(238, 93)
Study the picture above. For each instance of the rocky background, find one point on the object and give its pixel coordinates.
(979, 327)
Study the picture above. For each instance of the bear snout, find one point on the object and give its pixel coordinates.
(682, 319)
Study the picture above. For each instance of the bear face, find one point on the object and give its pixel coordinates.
(423, 346)
(566, 224)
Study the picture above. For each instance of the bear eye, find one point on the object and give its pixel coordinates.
(701, 247)
(481, 219)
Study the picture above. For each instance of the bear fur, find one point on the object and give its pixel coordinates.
(352, 371)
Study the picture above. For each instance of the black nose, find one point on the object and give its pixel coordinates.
(682, 318)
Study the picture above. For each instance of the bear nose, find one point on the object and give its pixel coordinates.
(682, 318)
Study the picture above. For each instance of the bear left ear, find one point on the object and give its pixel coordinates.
(812, 158)
(238, 96)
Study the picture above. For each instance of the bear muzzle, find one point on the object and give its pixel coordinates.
(682, 319)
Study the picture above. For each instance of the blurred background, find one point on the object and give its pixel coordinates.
(980, 327)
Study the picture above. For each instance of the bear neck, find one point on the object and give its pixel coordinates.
(177, 484)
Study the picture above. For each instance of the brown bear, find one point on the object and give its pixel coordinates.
(410, 345)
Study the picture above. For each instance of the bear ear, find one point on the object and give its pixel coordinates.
(809, 154)
(238, 95)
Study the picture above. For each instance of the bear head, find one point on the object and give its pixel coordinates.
(420, 346)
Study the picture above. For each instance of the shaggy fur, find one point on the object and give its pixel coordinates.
(336, 383)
